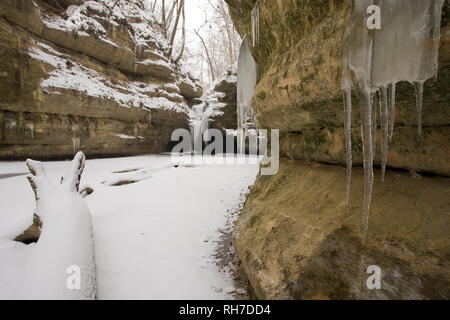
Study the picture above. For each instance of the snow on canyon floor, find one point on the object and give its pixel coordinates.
(156, 226)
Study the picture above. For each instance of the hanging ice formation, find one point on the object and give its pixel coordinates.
(136, 132)
(76, 141)
(374, 61)
(199, 124)
(76, 144)
(246, 82)
(30, 126)
(255, 24)
(11, 126)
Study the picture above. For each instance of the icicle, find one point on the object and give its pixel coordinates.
(437, 13)
(348, 139)
(384, 130)
(75, 138)
(197, 137)
(75, 129)
(75, 144)
(246, 83)
(136, 132)
(374, 122)
(346, 85)
(366, 132)
(12, 127)
(255, 24)
(419, 103)
(30, 126)
(404, 49)
(392, 111)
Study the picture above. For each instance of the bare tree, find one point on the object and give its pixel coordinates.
(169, 17)
(227, 27)
(183, 36)
(163, 13)
(175, 27)
(212, 48)
(169, 13)
(210, 62)
(153, 5)
(219, 52)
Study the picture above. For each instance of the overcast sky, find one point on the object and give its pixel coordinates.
(197, 11)
(195, 18)
(194, 13)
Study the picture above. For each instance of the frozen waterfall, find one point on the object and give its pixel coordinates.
(199, 124)
(246, 82)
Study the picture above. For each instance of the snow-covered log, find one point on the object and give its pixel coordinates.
(62, 264)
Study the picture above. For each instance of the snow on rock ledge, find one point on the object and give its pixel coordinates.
(71, 75)
(127, 37)
(221, 107)
(81, 65)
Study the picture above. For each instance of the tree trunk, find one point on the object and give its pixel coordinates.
(175, 27)
(211, 67)
(164, 18)
(183, 35)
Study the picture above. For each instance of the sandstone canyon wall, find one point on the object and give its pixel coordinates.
(226, 90)
(87, 75)
(296, 237)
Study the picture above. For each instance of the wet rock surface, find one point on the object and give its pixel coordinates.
(298, 240)
(295, 236)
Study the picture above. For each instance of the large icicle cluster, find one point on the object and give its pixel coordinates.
(246, 82)
(255, 24)
(404, 49)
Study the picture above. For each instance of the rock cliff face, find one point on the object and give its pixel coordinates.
(295, 236)
(227, 96)
(87, 75)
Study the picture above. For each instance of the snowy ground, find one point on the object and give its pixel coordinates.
(154, 238)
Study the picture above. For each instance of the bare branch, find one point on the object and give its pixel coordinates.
(183, 36)
(207, 55)
(164, 18)
(175, 27)
(115, 3)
